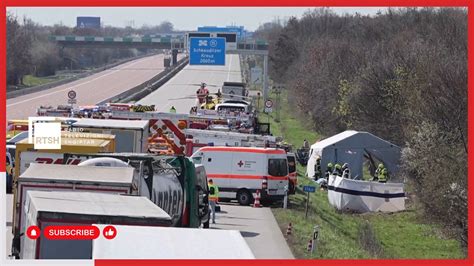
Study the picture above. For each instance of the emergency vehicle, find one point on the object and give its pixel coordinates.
(292, 175)
(240, 171)
(15, 127)
(197, 138)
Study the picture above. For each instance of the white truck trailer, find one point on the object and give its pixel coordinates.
(171, 243)
(59, 177)
(46, 208)
(130, 135)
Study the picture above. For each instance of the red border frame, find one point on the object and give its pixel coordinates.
(257, 3)
(240, 3)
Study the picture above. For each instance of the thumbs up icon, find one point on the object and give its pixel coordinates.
(109, 232)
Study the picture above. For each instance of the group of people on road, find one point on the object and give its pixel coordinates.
(202, 94)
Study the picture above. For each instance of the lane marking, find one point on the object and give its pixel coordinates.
(77, 85)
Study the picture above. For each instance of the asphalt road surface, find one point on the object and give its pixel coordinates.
(180, 91)
(90, 90)
(258, 227)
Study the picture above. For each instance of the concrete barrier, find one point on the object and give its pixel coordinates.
(20, 92)
(140, 91)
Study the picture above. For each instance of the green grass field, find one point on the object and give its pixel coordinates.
(342, 235)
(30, 80)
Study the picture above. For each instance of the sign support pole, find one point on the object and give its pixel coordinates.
(265, 78)
(307, 205)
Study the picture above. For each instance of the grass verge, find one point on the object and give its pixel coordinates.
(354, 236)
(31, 81)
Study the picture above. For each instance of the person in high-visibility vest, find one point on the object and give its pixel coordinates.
(382, 173)
(213, 198)
(202, 93)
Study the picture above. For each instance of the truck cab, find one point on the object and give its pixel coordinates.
(234, 90)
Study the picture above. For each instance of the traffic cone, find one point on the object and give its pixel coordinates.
(288, 230)
(310, 245)
(256, 203)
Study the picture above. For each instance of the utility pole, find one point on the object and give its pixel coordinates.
(277, 90)
(265, 78)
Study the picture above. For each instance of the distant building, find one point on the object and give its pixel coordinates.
(88, 22)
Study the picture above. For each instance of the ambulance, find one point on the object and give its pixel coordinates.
(240, 171)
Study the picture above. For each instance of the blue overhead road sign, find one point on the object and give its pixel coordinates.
(207, 51)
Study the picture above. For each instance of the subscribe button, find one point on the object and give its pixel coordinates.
(71, 232)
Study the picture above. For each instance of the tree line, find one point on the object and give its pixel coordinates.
(401, 75)
(29, 52)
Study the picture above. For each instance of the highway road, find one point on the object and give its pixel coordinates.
(90, 90)
(185, 84)
(258, 227)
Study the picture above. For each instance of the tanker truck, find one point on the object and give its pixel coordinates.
(171, 182)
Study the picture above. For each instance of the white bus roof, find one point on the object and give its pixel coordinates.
(78, 174)
(88, 203)
(163, 243)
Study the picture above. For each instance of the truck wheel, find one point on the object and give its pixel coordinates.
(244, 197)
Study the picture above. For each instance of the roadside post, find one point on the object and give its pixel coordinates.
(315, 237)
(308, 189)
(285, 200)
(258, 101)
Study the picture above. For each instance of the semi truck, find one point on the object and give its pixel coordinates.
(47, 208)
(171, 182)
(58, 177)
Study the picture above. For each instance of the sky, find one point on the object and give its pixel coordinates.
(183, 18)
